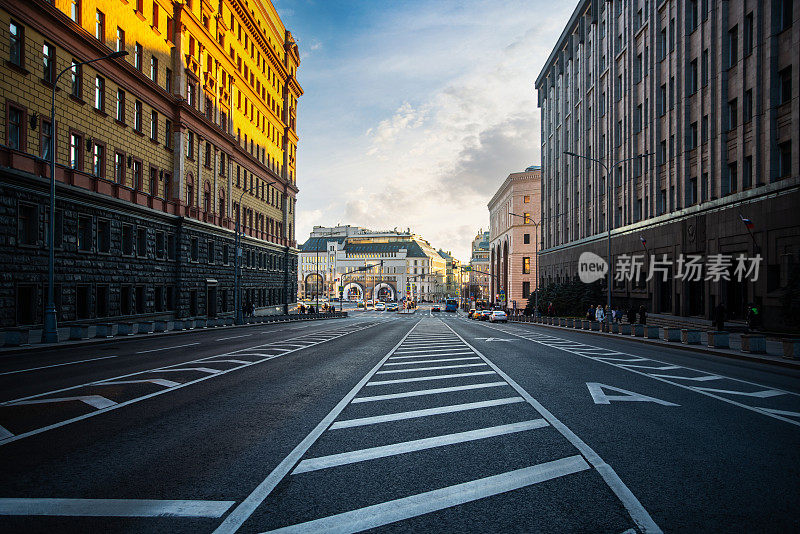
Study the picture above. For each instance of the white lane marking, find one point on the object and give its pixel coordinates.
(431, 351)
(245, 509)
(57, 365)
(415, 362)
(434, 391)
(423, 378)
(424, 413)
(158, 381)
(96, 401)
(599, 396)
(635, 509)
(355, 328)
(612, 359)
(781, 412)
(168, 348)
(765, 394)
(684, 386)
(201, 369)
(490, 339)
(431, 501)
(4, 433)
(694, 378)
(232, 337)
(231, 361)
(362, 455)
(660, 368)
(114, 507)
(433, 368)
(465, 351)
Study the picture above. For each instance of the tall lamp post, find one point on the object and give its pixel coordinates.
(529, 220)
(237, 299)
(608, 206)
(50, 332)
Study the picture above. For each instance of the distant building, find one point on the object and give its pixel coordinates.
(479, 264)
(709, 91)
(453, 276)
(513, 215)
(367, 264)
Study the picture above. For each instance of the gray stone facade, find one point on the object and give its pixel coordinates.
(101, 272)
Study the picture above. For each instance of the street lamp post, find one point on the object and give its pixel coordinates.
(237, 299)
(50, 331)
(608, 207)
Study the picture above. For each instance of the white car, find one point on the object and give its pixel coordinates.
(498, 316)
(380, 306)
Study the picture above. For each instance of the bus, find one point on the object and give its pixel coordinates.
(450, 305)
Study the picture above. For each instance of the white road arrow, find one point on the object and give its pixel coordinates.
(488, 339)
(599, 396)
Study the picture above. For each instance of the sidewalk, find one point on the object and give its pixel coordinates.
(773, 356)
(63, 333)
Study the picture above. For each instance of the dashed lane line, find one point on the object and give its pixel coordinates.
(57, 365)
(168, 348)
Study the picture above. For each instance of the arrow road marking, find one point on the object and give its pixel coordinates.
(96, 401)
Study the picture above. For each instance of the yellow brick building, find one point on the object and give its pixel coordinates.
(201, 113)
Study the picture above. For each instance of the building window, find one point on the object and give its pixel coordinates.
(120, 39)
(153, 190)
(704, 128)
(693, 77)
(733, 114)
(154, 125)
(27, 224)
(160, 245)
(121, 106)
(168, 133)
(100, 26)
(747, 173)
(171, 247)
(785, 87)
(190, 145)
(137, 175)
(138, 52)
(168, 80)
(16, 128)
(99, 93)
(119, 168)
(77, 79)
(140, 299)
(49, 63)
(137, 115)
(526, 265)
(190, 94)
(733, 46)
(786, 15)
(75, 151)
(194, 250)
(747, 112)
(785, 159)
(46, 139)
(526, 198)
(99, 160)
(16, 44)
(748, 34)
(704, 67)
(526, 239)
(733, 177)
(154, 67)
(211, 252)
(155, 15)
(141, 241)
(75, 10)
(208, 154)
(85, 233)
(103, 236)
(692, 137)
(127, 240)
(101, 301)
(125, 296)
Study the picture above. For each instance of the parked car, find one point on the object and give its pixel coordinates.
(380, 306)
(498, 316)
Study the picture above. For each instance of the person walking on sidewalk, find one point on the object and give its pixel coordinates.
(642, 315)
(599, 314)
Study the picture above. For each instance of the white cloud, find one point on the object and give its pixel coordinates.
(433, 161)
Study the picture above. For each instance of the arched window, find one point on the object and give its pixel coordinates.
(207, 197)
(222, 204)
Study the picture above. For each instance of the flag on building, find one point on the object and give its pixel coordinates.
(747, 222)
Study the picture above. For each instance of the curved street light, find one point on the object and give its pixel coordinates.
(50, 331)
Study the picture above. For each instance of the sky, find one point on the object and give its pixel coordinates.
(415, 111)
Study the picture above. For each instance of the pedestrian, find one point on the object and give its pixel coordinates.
(550, 309)
(632, 315)
(590, 313)
(642, 315)
(719, 317)
(599, 314)
(752, 316)
(614, 315)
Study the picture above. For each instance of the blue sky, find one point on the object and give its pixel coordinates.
(415, 111)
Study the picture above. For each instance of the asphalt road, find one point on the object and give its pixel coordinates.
(393, 423)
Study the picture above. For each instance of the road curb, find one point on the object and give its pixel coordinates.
(691, 348)
(135, 337)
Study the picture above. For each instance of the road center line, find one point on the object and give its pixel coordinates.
(232, 337)
(362, 455)
(114, 507)
(57, 365)
(424, 413)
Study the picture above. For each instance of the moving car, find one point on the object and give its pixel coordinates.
(483, 315)
(380, 306)
(472, 313)
(498, 316)
(391, 307)
(436, 309)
